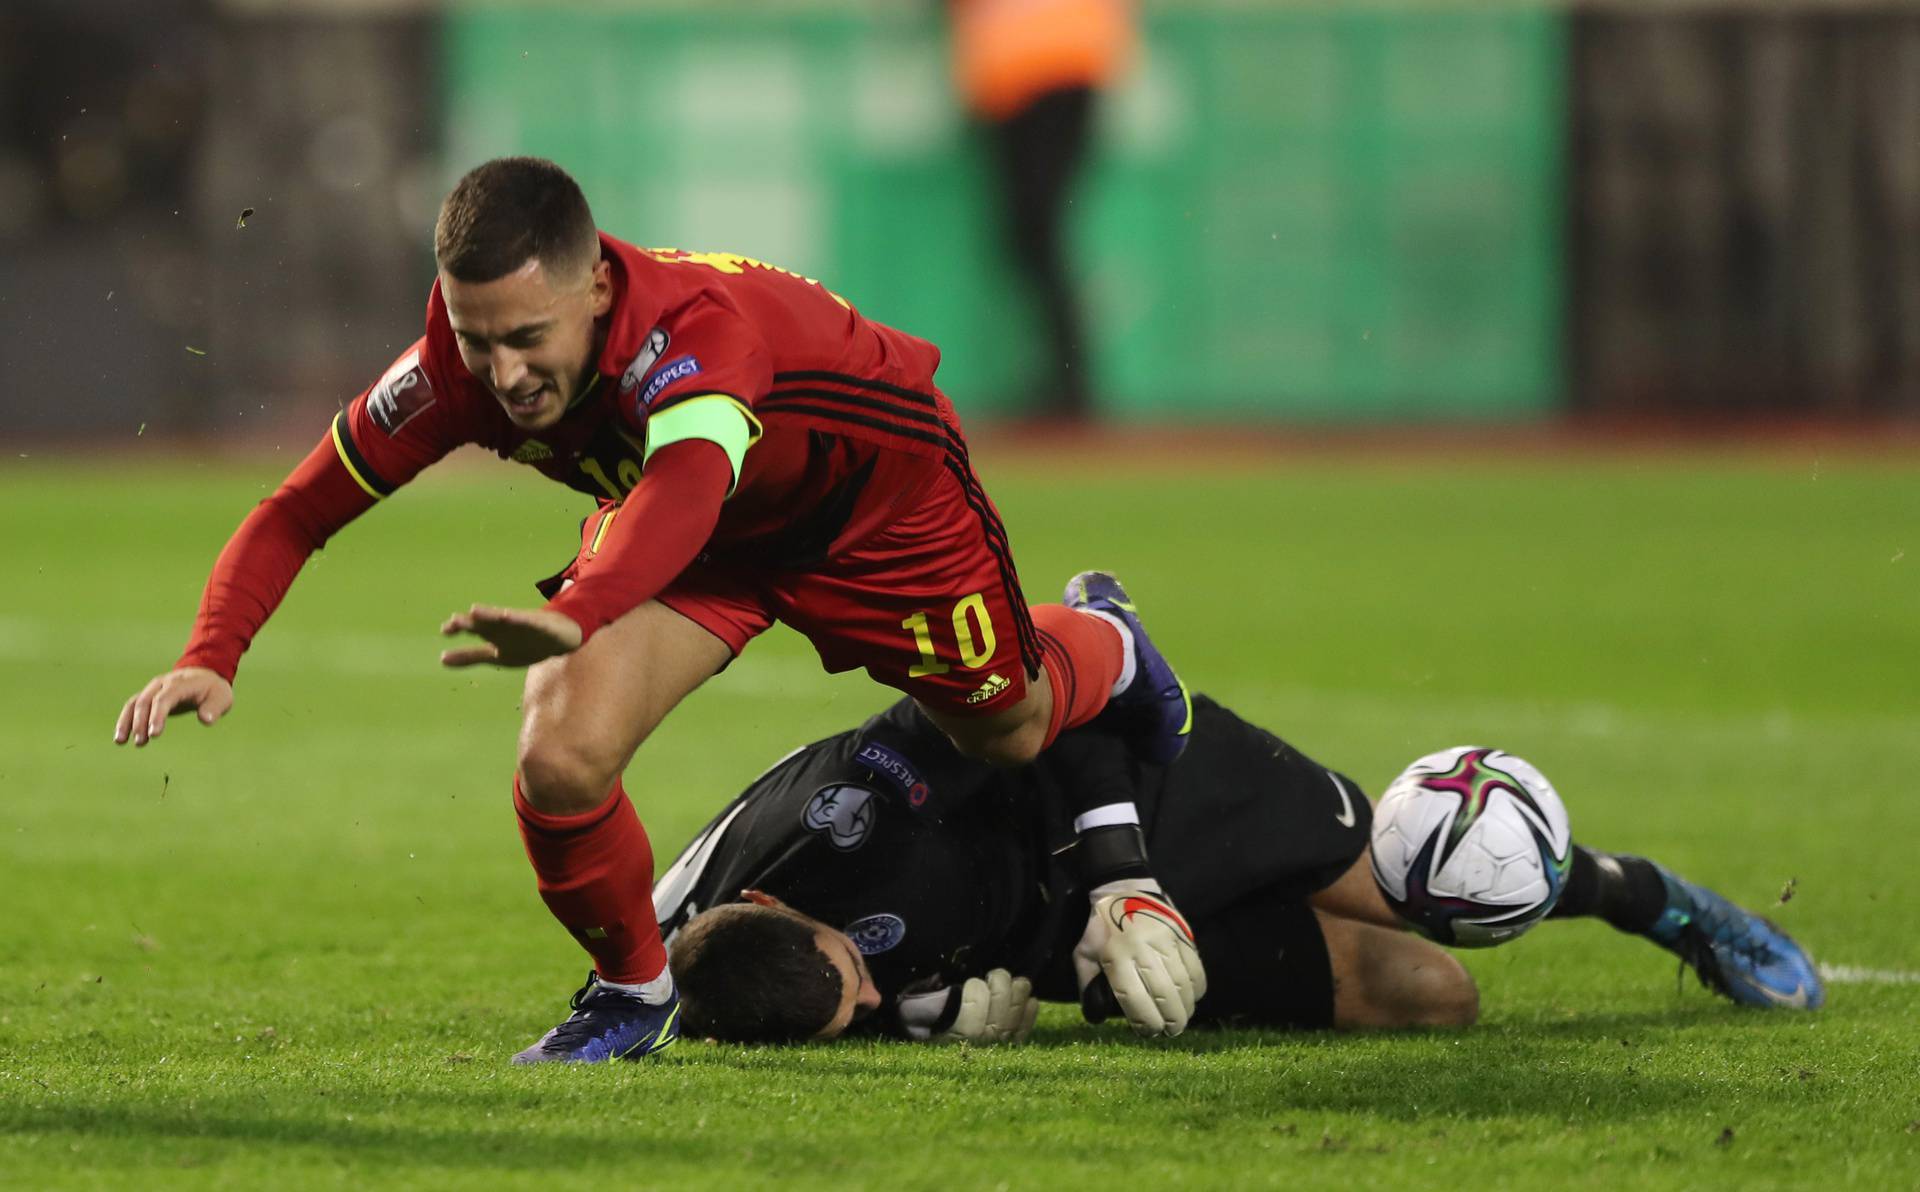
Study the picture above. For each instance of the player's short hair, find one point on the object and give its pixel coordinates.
(753, 974)
(511, 209)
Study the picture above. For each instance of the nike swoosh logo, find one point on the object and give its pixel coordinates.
(1345, 818)
(1797, 999)
(1134, 904)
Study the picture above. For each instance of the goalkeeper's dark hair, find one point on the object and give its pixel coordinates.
(511, 209)
(753, 974)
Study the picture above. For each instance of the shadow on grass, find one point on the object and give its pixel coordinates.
(1616, 1063)
(511, 1127)
(514, 1139)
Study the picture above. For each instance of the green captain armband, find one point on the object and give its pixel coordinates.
(715, 417)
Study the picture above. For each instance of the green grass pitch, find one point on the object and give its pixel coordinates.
(297, 949)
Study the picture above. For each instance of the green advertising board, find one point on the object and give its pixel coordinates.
(1312, 214)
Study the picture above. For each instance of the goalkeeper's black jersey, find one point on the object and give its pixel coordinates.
(941, 868)
(931, 862)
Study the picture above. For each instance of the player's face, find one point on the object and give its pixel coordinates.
(530, 337)
(859, 996)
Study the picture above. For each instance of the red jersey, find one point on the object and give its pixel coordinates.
(827, 391)
(793, 354)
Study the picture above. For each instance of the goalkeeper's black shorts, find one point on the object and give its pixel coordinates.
(1241, 832)
(1244, 814)
(1267, 965)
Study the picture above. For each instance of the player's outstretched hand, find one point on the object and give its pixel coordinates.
(510, 636)
(189, 689)
(1144, 948)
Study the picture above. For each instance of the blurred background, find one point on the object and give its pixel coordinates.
(1198, 211)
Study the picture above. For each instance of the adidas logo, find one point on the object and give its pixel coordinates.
(992, 687)
(532, 451)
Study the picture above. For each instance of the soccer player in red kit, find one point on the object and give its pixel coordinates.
(760, 452)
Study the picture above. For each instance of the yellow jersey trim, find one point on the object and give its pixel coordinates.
(600, 532)
(341, 445)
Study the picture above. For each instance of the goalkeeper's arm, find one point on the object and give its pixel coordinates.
(1137, 954)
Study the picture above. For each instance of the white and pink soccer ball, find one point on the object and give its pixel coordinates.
(1471, 846)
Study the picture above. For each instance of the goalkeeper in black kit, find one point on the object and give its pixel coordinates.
(879, 882)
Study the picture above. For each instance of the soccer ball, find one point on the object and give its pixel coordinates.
(1470, 846)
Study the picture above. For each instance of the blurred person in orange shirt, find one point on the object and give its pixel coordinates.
(1028, 70)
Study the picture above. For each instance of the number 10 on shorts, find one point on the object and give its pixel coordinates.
(974, 651)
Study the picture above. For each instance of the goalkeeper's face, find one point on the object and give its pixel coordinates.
(859, 996)
(758, 971)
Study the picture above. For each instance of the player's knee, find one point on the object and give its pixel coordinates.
(1437, 990)
(562, 779)
(1391, 980)
(1465, 1007)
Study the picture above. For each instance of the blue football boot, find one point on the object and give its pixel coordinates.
(607, 1024)
(1155, 707)
(1734, 951)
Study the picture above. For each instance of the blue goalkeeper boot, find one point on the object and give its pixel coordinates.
(607, 1024)
(1734, 951)
(1155, 706)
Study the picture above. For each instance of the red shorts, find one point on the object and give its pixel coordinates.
(923, 596)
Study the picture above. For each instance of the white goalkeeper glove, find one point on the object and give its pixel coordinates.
(997, 1008)
(1144, 948)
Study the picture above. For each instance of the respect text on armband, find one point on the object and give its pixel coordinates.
(895, 769)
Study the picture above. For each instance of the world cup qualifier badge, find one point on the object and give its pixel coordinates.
(400, 395)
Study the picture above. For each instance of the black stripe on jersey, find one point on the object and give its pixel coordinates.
(1030, 652)
(1002, 557)
(834, 378)
(928, 417)
(1003, 551)
(956, 461)
(774, 405)
(343, 434)
(977, 496)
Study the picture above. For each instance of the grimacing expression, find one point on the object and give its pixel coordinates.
(530, 337)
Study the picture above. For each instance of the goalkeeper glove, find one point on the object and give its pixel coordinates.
(1144, 949)
(997, 1008)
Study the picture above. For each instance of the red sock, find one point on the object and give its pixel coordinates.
(1083, 659)
(595, 874)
